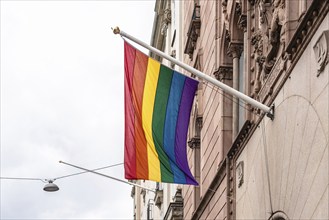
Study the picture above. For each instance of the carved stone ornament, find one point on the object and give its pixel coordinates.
(276, 35)
(234, 50)
(224, 73)
(252, 2)
(239, 173)
(268, 40)
(167, 16)
(257, 40)
(194, 142)
(166, 21)
(173, 54)
(164, 28)
(143, 193)
(242, 22)
(269, 85)
(321, 49)
(175, 209)
(238, 8)
(193, 32)
(158, 198)
(226, 19)
(199, 123)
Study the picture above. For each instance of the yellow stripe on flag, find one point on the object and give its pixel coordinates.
(151, 81)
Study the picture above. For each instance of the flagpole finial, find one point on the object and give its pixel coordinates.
(116, 30)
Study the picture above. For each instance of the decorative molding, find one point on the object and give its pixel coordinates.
(242, 22)
(164, 28)
(252, 2)
(167, 15)
(268, 41)
(172, 54)
(178, 196)
(199, 123)
(232, 155)
(239, 140)
(321, 49)
(225, 169)
(276, 35)
(268, 87)
(194, 142)
(133, 190)
(212, 189)
(313, 18)
(227, 36)
(238, 8)
(225, 15)
(158, 197)
(193, 32)
(143, 193)
(166, 21)
(230, 172)
(224, 73)
(306, 29)
(257, 41)
(234, 50)
(239, 173)
(175, 209)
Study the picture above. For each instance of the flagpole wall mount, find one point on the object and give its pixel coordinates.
(270, 114)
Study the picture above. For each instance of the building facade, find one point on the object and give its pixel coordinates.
(167, 201)
(248, 165)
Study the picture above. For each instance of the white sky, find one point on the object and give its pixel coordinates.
(62, 99)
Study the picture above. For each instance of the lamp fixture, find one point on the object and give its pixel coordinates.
(50, 187)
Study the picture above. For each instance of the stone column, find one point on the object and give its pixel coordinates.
(235, 50)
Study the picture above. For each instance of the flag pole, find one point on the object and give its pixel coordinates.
(111, 177)
(268, 110)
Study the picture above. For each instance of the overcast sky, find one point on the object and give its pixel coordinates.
(62, 99)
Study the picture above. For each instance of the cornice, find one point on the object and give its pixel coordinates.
(306, 29)
(240, 140)
(281, 70)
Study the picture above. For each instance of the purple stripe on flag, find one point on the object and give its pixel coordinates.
(182, 127)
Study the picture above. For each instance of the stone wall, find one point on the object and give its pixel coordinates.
(294, 180)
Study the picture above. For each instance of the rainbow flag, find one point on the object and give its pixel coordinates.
(158, 102)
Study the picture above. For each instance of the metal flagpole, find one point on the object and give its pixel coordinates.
(113, 178)
(268, 110)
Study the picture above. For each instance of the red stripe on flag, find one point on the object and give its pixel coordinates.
(130, 153)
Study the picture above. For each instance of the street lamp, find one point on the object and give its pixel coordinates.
(51, 186)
